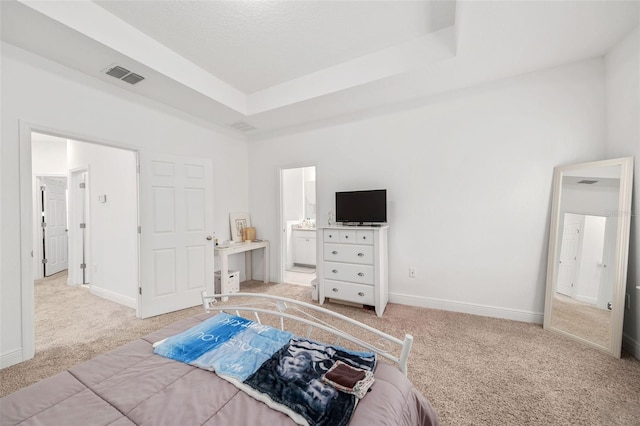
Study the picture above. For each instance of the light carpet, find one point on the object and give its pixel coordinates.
(474, 370)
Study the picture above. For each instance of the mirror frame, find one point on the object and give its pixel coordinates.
(621, 255)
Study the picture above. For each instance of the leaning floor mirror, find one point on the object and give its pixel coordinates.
(588, 252)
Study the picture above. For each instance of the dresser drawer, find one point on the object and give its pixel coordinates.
(348, 236)
(357, 293)
(362, 274)
(349, 253)
(331, 235)
(364, 237)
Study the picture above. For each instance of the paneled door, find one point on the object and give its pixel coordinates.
(176, 229)
(54, 224)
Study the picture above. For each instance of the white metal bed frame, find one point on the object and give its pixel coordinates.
(294, 310)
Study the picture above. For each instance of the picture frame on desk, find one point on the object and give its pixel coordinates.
(237, 222)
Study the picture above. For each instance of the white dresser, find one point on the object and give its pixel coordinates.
(353, 265)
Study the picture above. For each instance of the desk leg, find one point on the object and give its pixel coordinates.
(248, 260)
(266, 264)
(224, 275)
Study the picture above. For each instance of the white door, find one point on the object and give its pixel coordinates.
(568, 259)
(54, 224)
(176, 219)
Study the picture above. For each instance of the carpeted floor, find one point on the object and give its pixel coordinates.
(475, 370)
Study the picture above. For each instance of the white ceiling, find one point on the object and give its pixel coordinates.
(283, 65)
(252, 45)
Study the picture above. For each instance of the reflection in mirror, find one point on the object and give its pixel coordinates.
(588, 250)
(584, 288)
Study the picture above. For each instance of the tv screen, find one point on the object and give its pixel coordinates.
(362, 206)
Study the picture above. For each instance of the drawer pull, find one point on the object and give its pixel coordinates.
(346, 237)
(361, 294)
(335, 290)
(360, 254)
(334, 252)
(361, 274)
(364, 237)
(335, 271)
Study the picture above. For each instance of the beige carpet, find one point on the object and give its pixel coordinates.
(475, 370)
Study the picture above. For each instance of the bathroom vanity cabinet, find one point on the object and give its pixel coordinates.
(304, 247)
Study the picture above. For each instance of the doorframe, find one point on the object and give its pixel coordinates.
(282, 258)
(38, 253)
(75, 257)
(26, 221)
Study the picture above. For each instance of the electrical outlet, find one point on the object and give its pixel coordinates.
(412, 272)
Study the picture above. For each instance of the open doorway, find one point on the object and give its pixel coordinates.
(123, 256)
(298, 189)
(86, 217)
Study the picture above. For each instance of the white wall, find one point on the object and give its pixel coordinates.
(112, 226)
(49, 156)
(469, 181)
(37, 91)
(292, 186)
(622, 66)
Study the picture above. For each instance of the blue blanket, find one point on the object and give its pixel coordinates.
(227, 344)
(286, 368)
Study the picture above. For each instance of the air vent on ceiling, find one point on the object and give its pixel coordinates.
(242, 126)
(132, 78)
(124, 74)
(587, 181)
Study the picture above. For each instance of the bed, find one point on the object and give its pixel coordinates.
(134, 385)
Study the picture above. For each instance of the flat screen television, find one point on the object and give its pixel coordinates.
(361, 207)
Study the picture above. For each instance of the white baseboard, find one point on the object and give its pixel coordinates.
(11, 358)
(114, 297)
(630, 345)
(468, 308)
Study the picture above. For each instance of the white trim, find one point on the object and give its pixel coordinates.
(467, 308)
(11, 358)
(630, 345)
(26, 241)
(131, 302)
(75, 237)
(282, 238)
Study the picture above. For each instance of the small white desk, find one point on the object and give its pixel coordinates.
(247, 248)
